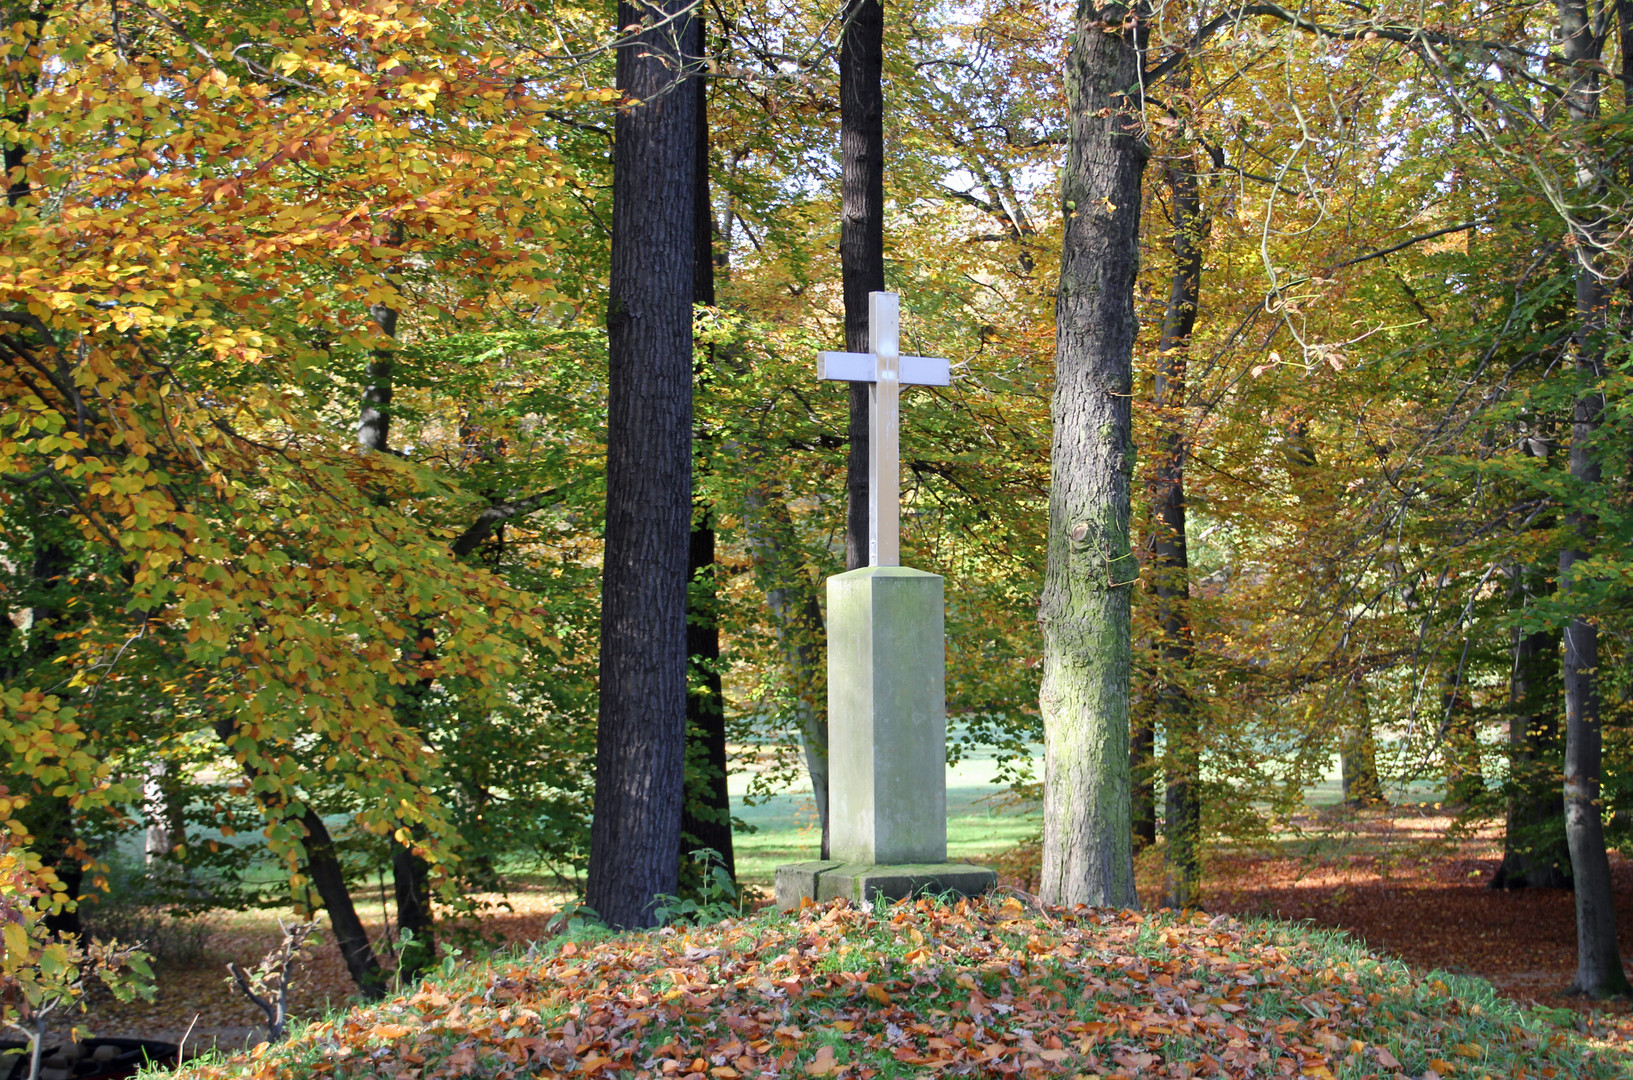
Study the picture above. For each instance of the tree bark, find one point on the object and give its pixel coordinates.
(328, 876)
(641, 731)
(411, 874)
(1358, 755)
(1084, 609)
(706, 814)
(1171, 583)
(797, 616)
(1535, 851)
(1599, 971)
(861, 237)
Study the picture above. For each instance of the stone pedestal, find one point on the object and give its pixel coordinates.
(887, 745)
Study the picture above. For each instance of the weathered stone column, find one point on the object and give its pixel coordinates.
(887, 720)
(887, 745)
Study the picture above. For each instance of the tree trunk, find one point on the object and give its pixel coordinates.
(861, 236)
(797, 616)
(328, 876)
(641, 732)
(1171, 573)
(1358, 755)
(1465, 779)
(1142, 769)
(1599, 970)
(1084, 609)
(1535, 851)
(706, 814)
(411, 873)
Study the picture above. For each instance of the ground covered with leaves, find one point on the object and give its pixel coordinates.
(994, 988)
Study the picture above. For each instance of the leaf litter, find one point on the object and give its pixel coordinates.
(993, 988)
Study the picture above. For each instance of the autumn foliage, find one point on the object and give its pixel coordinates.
(996, 988)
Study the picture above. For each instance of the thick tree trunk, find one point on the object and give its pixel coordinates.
(1535, 851)
(1171, 584)
(641, 734)
(706, 814)
(1084, 610)
(861, 236)
(1599, 970)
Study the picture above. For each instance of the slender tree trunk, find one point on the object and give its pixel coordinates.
(1084, 610)
(862, 271)
(641, 733)
(328, 876)
(1599, 970)
(1535, 851)
(706, 814)
(861, 233)
(1142, 770)
(14, 156)
(1465, 780)
(411, 874)
(1358, 756)
(797, 616)
(1172, 588)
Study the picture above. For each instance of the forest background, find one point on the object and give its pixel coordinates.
(302, 450)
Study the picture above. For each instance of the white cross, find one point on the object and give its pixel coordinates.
(886, 369)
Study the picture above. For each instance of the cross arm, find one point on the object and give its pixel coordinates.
(861, 367)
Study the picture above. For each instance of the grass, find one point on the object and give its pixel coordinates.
(996, 988)
(785, 827)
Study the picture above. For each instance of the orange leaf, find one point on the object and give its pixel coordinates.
(823, 1063)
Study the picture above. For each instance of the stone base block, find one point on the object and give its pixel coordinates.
(829, 880)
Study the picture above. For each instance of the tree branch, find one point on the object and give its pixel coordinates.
(482, 527)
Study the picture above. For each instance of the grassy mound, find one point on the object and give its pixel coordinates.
(992, 988)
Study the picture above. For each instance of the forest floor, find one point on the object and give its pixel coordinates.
(1399, 878)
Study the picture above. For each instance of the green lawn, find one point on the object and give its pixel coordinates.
(785, 825)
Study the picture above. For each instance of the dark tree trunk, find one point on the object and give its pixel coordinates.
(329, 878)
(1171, 569)
(862, 268)
(1535, 852)
(1142, 770)
(411, 873)
(14, 156)
(1599, 970)
(1084, 610)
(1465, 779)
(706, 817)
(1358, 756)
(861, 235)
(411, 880)
(641, 734)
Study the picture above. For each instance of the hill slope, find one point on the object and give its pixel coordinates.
(992, 988)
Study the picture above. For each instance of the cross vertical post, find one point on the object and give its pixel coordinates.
(884, 422)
